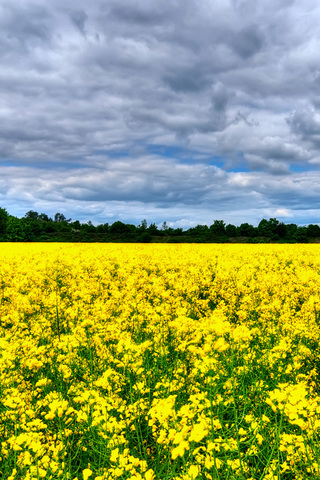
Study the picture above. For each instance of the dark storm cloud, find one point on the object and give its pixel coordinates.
(305, 123)
(248, 41)
(87, 88)
(79, 18)
(24, 27)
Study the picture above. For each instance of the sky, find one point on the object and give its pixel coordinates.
(165, 110)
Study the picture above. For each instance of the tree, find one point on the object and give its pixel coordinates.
(268, 228)
(291, 229)
(15, 231)
(32, 215)
(44, 217)
(231, 230)
(176, 231)
(59, 217)
(218, 228)
(89, 227)
(3, 221)
(145, 237)
(76, 225)
(246, 230)
(198, 230)
(313, 231)
(301, 234)
(153, 229)
(144, 225)
(106, 227)
(119, 228)
(281, 230)
(164, 226)
(103, 228)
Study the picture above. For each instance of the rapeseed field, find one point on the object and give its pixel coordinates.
(159, 362)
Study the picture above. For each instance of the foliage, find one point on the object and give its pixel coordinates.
(35, 227)
(3, 221)
(218, 228)
(15, 231)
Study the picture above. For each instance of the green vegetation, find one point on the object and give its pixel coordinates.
(35, 227)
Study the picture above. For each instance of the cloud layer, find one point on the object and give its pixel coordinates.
(178, 111)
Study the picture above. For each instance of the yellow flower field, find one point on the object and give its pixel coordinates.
(159, 361)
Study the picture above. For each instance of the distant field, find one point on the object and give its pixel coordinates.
(126, 361)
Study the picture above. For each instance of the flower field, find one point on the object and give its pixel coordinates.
(159, 362)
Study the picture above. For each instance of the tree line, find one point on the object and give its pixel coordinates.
(35, 227)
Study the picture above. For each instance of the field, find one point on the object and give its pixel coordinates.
(159, 362)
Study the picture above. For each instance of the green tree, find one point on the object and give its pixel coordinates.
(32, 215)
(199, 230)
(143, 226)
(44, 217)
(268, 228)
(291, 230)
(313, 231)
(218, 228)
(119, 228)
(3, 221)
(231, 230)
(282, 230)
(301, 235)
(76, 225)
(246, 230)
(89, 227)
(59, 218)
(176, 231)
(153, 229)
(164, 226)
(15, 230)
(145, 237)
(103, 228)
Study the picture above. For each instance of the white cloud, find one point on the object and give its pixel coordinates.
(283, 213)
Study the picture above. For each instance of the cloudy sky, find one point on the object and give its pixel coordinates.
(182, 111)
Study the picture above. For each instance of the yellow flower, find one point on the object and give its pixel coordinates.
(193, 472)
(149, 475)
(114, 455)
(221, 345)
(198, 432)
(179, 450)
(86, 473)
(118, 472)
